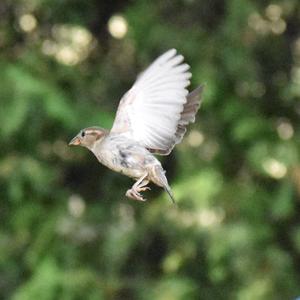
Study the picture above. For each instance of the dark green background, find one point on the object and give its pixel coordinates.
(67, 230)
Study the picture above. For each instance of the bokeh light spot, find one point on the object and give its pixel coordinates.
(49, 47)
(285, 129)
(27, 22)
(275, 168)
(278, 27)
(210, 217)
(117, 26)
(258, 24)
(67, 56)
(76, 206)
(70, 44)
(195, 138)
(273, 12)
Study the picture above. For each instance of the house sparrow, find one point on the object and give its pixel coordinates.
(151, 119)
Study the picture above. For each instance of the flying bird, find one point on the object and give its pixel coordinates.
(151, 119)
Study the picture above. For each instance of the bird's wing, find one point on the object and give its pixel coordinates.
(187, 116)
(151, 110)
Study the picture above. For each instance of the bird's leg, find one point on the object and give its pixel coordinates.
(139, 186)
(142, 186)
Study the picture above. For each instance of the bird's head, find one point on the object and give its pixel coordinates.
(88, 137)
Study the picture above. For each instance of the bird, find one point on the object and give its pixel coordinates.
(151, 119)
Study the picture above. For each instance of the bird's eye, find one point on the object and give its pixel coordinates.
(82, 133)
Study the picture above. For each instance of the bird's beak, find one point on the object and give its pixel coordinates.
(75, 141)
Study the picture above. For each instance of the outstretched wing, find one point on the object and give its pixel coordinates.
(187, 116)
(152, 112)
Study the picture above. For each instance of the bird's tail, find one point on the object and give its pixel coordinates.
(160, 179)
(170, 193)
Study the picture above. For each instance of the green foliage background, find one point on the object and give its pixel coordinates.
(68, 232)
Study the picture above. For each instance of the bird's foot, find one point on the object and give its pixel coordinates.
(143, 189)
(139, 186)
(135, 195)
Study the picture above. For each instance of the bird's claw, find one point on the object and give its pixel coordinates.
(135, 195)
(146, 188)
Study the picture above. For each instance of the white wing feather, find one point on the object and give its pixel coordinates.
(150, 111)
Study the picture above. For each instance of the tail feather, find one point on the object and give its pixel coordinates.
(159, 178)
(169, 191)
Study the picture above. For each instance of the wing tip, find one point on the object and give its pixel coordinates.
(172, 50)
(170, 53)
